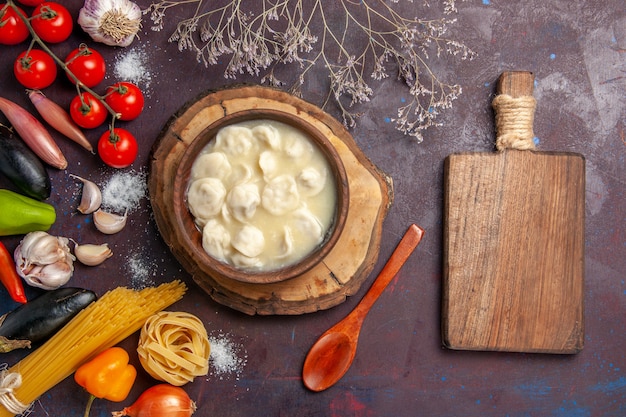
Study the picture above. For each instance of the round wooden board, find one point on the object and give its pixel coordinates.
(345, 268)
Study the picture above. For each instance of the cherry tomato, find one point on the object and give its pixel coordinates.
(126, 99)
(88, 113)
(87, 65)
(12, 29)
(117, 149)
(35, 69)
(31, 2)
(52, 22)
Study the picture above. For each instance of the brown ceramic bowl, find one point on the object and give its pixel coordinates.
(191, 239)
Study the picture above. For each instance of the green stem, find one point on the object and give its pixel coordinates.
(80, 86)
(89, 402)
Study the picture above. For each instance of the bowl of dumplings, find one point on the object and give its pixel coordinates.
(265, 197)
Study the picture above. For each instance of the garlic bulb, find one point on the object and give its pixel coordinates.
(112, 22)
(44, 261)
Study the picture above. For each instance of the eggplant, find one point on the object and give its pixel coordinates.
(22, 166)
(40, 318)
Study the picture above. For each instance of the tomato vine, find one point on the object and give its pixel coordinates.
(80, 86)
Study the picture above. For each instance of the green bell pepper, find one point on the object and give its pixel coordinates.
(20, 214)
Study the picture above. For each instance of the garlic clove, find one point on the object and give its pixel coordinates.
(51, 276)
(91, 198)
(92, 255)
(42, 249)
(109, 223)
(39, 247)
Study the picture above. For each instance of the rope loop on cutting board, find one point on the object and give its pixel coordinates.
(514, 122)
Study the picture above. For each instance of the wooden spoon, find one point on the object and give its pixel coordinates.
(332, 354)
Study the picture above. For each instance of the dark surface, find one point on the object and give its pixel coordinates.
(575, 49)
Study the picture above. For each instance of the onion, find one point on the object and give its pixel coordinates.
(33, 133)
(163, 400)
(58, 118)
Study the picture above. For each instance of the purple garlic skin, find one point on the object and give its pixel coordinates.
(112, 22)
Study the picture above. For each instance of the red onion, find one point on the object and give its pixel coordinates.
(163, 400)
(33, 133)
(58, 118)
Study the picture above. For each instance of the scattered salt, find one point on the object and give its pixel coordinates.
(123, 191)
(226, 357)
(131, 65)
(139, 270)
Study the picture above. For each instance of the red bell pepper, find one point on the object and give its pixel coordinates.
(9, 277)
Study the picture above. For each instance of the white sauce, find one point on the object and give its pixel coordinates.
(262, 194)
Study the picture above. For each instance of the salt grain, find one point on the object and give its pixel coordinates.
(131, 65)
(226, 357)
(123, 191)
(139, 271)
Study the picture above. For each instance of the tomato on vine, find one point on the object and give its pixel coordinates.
(87, 65)
(35, 69)
(126, 99)
(13, 30)
(118, 148)
(87, 111)
(52, 22)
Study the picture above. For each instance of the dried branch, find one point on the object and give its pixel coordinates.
(358, 42)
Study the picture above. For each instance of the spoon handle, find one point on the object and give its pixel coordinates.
(409, 242)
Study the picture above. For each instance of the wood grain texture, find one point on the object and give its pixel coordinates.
(516, 83)
(514, 252)
(343, 270)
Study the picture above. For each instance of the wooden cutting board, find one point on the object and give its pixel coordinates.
(514, 238)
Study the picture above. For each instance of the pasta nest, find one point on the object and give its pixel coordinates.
(174, 347)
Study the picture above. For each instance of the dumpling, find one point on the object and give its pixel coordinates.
(285, 246)
(249, 241)
(214, 165)
(234, 140)
(298, 148)
(205, 197)
(241, 173)
(242, 201)
(242, 261)
(268, 162)
(268, 135)
(280, 195)
(311, 181)
(308, 225)
(216, 240)
(227, 217)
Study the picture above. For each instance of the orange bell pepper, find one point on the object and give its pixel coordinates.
(108, 375)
